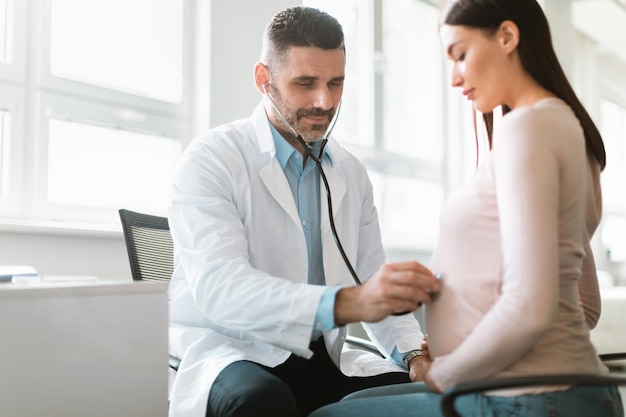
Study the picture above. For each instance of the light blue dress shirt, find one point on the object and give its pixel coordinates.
(304, 181)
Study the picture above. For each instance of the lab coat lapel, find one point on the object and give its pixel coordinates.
(337, 182)
(272, 174)
(274, 179)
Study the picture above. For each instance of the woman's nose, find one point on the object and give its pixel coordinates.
(455, 78)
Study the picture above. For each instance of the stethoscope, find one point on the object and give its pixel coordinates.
(318, 161)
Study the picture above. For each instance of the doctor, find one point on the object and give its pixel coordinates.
(260, 295)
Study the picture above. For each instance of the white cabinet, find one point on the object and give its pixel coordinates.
(94, 349)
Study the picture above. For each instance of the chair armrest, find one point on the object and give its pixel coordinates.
(450, 395)
(363, 344)
(605, 357)
(173, 362)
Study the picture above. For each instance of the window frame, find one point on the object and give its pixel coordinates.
(37, 95)
(15, 71)
(45, 80)
(54, 106)
(12, 101)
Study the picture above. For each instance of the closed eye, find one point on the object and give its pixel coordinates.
(305, 84)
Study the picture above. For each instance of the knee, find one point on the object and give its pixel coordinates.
(273, 399)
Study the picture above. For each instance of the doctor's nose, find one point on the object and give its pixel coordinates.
(323, 98)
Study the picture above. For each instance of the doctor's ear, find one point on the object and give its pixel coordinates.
(261, 77)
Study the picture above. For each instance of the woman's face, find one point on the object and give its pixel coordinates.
(479, 65)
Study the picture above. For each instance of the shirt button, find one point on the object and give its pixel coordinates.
(303, 222)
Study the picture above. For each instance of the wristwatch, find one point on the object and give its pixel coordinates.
(411, 355)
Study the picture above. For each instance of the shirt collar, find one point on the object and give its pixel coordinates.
(284, 150)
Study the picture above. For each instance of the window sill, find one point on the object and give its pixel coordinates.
(58, 228)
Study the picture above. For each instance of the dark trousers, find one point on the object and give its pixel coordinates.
(292, 389)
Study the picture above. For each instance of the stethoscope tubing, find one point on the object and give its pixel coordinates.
(318, 162)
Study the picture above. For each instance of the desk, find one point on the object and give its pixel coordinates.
(83, 349)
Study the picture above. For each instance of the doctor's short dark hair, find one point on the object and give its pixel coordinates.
(300, 26)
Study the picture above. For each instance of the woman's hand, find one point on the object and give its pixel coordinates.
(419, 365)
(418, 368)
(427, 377)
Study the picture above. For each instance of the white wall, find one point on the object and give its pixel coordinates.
(54, 252)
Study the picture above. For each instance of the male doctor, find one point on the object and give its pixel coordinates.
(260, 295)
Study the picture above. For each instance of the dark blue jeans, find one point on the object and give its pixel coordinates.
(575, 402)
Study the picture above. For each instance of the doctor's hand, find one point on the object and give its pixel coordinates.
(400, 286)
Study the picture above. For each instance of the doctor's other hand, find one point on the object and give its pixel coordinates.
(399, 286)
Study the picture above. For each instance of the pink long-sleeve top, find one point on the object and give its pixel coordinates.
(520, 292)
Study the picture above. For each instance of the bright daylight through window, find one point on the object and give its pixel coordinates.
(116, 152)
(5, 129)
(613, 127)
(142, 55)
(5, 31)
(393, 112)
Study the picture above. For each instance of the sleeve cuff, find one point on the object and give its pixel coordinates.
(325, 316)
(398, 358)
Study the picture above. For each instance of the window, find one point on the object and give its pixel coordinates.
(394, 110)
(11, 147)
(12, 40)
(5, 134)
(6, 32)
(133, 162)
(107, 107)
(613, 128)
(142, 55)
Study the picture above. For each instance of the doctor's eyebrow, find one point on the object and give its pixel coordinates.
(307, 79)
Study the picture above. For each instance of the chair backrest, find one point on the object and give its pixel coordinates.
(150, 251)
(149, 245)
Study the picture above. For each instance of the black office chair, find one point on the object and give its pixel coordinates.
(149, 245)
(150, 250)
(452, 393)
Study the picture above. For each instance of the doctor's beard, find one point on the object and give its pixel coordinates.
(309, 132)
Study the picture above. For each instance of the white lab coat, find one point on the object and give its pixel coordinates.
(239, 289)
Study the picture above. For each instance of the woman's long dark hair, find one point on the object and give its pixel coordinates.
(536, 53)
